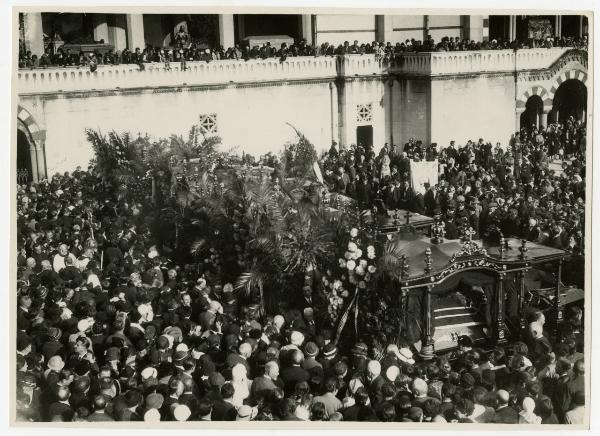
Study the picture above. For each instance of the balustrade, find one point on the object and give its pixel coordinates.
(128, 76)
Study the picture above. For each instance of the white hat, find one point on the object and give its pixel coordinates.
(392, 348)
(374, 367)
(152, 415)
(144, 309)
(182, 347)
(246, 413)
(56, 363)
(405, 355)
(528, 404)
(182, 412)
(296, 338)
(392, 373)
(83, 325)
(302, 413)
(149, 372)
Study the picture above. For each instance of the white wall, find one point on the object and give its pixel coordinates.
(336, 29)
(410, 113)
(472, 108)
(444, 25)
(411, 25)
(251, 118)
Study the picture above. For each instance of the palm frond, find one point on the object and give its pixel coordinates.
(389, 262)
(198, 247)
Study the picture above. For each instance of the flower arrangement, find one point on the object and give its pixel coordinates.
(355, 270)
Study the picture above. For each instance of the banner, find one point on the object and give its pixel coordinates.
(421, 173)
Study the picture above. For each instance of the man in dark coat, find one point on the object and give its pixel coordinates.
(223, 409)
(429, 200)
(294, 373)
(505, 414)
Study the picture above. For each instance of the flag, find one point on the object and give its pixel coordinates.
(317, 171)
(421, 173)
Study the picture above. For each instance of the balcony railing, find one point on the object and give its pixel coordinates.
(471, 62)
(128, 76)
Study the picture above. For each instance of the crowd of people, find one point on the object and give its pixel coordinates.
(110, 328)
(185, 50)
(481, 186)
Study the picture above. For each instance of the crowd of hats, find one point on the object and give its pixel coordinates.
(109, 328)
(481, 186)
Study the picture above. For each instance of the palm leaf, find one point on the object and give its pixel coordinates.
(389, 261)
(198, 247)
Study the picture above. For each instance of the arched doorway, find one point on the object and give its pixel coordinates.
(570, 100)
(24, 164)
(534, 108)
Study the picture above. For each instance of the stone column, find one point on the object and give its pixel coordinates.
(135, 31)
(383, 28)
(476, 27)
(117, 32)
(580, 30)
(226, 31)
(391, 110)
(544, 118)
(241, 27)
(34, 164)
(557, 25)
(41, 161)
(334, 112)
(518, 114)
(512, 27)
(34, 33)
(345, 111)
(425, 27)
(306, 28)
(100, 27)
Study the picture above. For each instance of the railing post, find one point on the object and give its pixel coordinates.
(499, 324)
(559, 314)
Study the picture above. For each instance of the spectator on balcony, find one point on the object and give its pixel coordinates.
(327, 49)
(45, 59)
(182, 38)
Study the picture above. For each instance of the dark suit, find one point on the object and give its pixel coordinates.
(430, 202)
(223, 411)
(506, 415)
(99, 417)
(261, 386)
(61, 409)
(560, 241)
(418, 204)
(292, 375)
